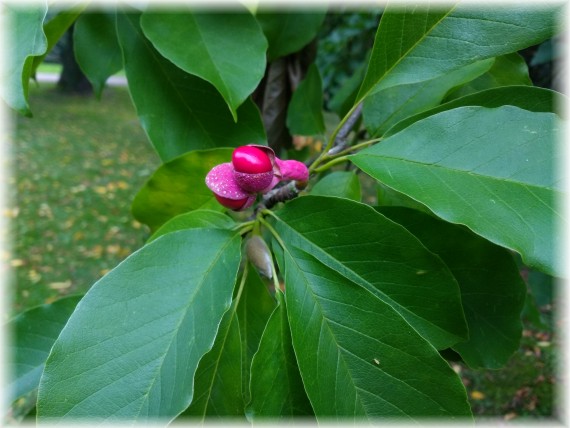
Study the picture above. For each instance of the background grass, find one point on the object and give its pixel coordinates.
(76, 168)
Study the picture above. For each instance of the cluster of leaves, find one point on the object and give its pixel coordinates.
(364, 299)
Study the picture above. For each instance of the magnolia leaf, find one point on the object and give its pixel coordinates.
(492, 290)
(234, 65)
(131, 348)
(34, 332)
(490, 169)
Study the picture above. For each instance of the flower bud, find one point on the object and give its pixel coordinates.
(259, 255)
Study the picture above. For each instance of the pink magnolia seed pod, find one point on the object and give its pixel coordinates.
(253, 168)
(292, 170)
(227, 191)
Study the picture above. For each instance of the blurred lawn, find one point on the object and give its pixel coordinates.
(76, 166)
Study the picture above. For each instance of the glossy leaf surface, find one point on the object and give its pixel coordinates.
(178, 111)
(414, 43)
(357, 354)
(277, 390)
(34, 332)
(234, 65)
(218, 382)
(526, 97)
(305, 111)
(193, 220)
(507, 70)
(288, 32)
(54, 29)
(344, 184)
(151, 319)
(27, 40)
(97, 49)
(380, 256)
(492, 290)
(384, 108)
(254, 309)
(178, 186)
(493, 170)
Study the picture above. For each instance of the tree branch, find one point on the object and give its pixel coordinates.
(340, 142)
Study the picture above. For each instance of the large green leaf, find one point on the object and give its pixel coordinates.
(288, 32)
(199, 43)
(193, 220)
(508, 70)
(305, 111)
(97, 49)
(380, 256)
(218, 382)
(254, 309)
(384, 108)
(492, 290)
(26, 40)
(344, 184)
(178, 111)
(493, 170)
(357, 354)
(33, 333)
(131, 348)
(525, 97)
(277, 390)
(417, 43)
(178, 186)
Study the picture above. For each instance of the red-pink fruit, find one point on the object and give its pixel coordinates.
(227, 191)
(251, 159)
(292, 170)
(253, 169)
(233, 204)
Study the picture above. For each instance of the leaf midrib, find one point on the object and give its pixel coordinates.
(405, 54)
(455, 170)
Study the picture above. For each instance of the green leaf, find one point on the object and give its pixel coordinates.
(490, 169)
(27, 40)
(193, 220)
(97, 49)
(305, 111)
(492, 290)
(254, 309)
(277, 390)
(199, 43)
(131, 349)
(218, 382)
(380, 256)
(357, 354)
(384, 108)
(415, 44)
(507, 70)
(178, 111)
(178, 186)
(34, 332)
(288, 32)
(55, 28)
(344, 184)
(525, 97)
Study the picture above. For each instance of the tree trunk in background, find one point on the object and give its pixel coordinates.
(72, 80)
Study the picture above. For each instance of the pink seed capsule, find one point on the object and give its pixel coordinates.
(253, 168)
(227, 191)
(292, 170)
